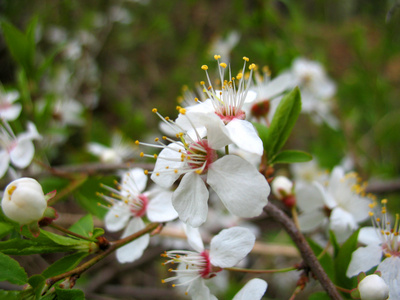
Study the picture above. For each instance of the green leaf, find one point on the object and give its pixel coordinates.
(37, 283)
(291, 156)
(59, 239)
(282, 123)
(11, 271)
(5, 228)
(262, 132)
(64, 264)
(326, 260)
(319, 296)
(10, 295)
(19, 45)
(84, 226)
(98, 232)
(69, 294)
(342, 262)
(335, 244)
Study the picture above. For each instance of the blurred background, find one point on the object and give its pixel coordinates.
(119, 59)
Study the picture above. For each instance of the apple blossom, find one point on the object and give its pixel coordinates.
(129, 204)
(9, 110)
(222, 114)
(239, 185)
(341, 204)
(19, 150)
(24, 201)
(227, 248)
(382, 241)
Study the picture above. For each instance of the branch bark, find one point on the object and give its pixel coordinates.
(307, 254)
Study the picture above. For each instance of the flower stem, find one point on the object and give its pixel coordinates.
(261, 271)
(62, 229)
(306, 252)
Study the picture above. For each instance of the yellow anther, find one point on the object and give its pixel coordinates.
(164, 137)
(174, 285)
(167, 167)
(378, 219)
(178, 107)
(154, 110)
(245, 58)
(216, 56)
(146, 172)
(182, 111)
(384, 201)
(202, 82)
(116, 216)
(371, 213)
(137, 142)
(252, 66)
(388, 254)
(176, 171)
(204, 67)
(155, 156)
(157, 174)
(239, 76)
(11, 190)
(162, 281)
(198, 171)
(224, 65)
(196, 99)
(156, 139)
(166, 118)
(141, 154)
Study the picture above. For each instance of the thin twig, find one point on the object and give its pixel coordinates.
(307, 254)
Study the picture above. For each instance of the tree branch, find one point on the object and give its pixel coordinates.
(307, 254)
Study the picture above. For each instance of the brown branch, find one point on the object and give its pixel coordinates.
(307, 254)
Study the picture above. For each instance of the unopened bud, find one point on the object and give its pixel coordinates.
(24, 201)
(282, 187)
(373, 287)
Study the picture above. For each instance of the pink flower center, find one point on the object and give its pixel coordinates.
(206, 271)
(139, 205)
(231, 113)
(200, 155)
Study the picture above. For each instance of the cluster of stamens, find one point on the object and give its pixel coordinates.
(229, 99)
(389, 234)
(195, 154)
(8, 140)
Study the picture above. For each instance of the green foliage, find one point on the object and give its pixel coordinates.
(319, 296)
(64, 294)
(64, 264)
(84, 226)
(11, 271)
(37, 283)
(291, 156)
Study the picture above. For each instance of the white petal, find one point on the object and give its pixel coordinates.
(166, 167)
(190, 200)
(311, 220)
(194, 237)
(230, 246)
(199, 290)
(390, 269)
(239, 185)
(22, 155)
(368, 236)
(134, 249)
(4, 162)
(245, 136)
(117, 217)
(160, 207)
(139, 181)
(254, 290)
(363, 259)
(96, 149)
(309, 196)
(342, 224)
(277, 86)
(11, 113)
(250, 97)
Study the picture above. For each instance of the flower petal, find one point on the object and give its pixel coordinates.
(160, 207)
(254, 290)
(311, 220)
(133, 250)
(245, 136)
(342, 224)
(165, 166)
(194, 238)
(230, 246)
(239, 185)
(309, 196)
(390, 270)
(137, 185)
(22, 154)
(117, 217)
(4, 162)
(11, 113)
(363, 259)
(368, 236)
(190, 200)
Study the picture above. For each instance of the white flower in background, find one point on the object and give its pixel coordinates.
(316, 89)
(382, 241)
(222, 115)
(341, 204)
(68, 112)
(373, 287)
(19, 150)
(119, 14)
(227, 249)
(269, 94)
(224, 46)
(307, 172)
(9, 110)
(129, 204)
(119, 151)
(239, 185)
(24, 201)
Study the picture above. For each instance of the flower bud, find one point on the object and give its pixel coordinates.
(24, 201)
(282, 187)
(373, 287)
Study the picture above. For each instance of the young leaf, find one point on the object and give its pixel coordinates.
(59, 239)
(84, 226)
(291, 156)
(69, 294)
(64, 264)
(11, 271)
(282, 123)
(342, 262)
(19, 246)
